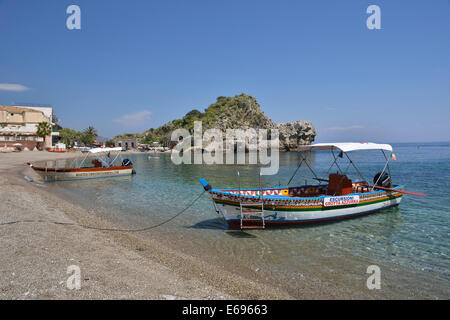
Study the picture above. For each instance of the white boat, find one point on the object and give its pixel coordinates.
(336, 197)
(103, 165)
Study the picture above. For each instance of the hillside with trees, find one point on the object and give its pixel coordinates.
(241, 111)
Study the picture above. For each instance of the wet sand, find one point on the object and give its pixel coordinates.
(34, 257)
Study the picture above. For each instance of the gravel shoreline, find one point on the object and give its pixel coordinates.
(114, 265)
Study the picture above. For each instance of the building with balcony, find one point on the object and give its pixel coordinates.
(18, 126)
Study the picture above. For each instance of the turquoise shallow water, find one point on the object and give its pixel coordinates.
(410, 243)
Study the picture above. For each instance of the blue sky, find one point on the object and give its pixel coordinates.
(138, 64)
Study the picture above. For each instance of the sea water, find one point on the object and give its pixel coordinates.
(409, 243)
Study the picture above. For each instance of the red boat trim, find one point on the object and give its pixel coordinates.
(93, 169)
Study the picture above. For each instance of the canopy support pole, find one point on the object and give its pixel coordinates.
(356, 168)
(82, 161)
(384, 169)
(295, 172)
(115, 158)
(334, 162)
(387, 160)
(315, 176)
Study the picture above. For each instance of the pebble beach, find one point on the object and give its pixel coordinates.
(35, 256)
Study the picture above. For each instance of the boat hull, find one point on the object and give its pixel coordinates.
(289, 214)
(80, 174)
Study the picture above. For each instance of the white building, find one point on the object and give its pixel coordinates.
(18, 126)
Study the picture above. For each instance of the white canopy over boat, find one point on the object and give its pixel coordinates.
(99, 150)
(346, 146)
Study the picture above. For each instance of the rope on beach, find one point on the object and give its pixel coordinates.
(106, 229)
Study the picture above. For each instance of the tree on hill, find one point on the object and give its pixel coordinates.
(241, 111)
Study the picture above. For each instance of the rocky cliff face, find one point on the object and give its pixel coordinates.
(293, 134)
(238, 112)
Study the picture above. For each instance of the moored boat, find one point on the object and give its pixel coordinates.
(336, 197)
(103, 165)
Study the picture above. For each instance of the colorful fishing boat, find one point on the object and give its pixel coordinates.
(334, 197)
(106, 162)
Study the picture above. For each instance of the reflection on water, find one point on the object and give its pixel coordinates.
(413, 237)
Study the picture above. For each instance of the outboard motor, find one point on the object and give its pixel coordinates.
(382, 180)
(126, 163)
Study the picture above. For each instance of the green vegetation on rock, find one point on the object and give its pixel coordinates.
(239, 112)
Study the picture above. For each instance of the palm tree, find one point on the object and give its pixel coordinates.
(91, 131)
(44, 129)
(89, 135)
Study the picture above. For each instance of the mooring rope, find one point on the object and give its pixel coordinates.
(105, 229)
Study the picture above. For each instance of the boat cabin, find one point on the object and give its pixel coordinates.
(338, 185)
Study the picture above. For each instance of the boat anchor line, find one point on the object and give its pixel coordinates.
(106, 229)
